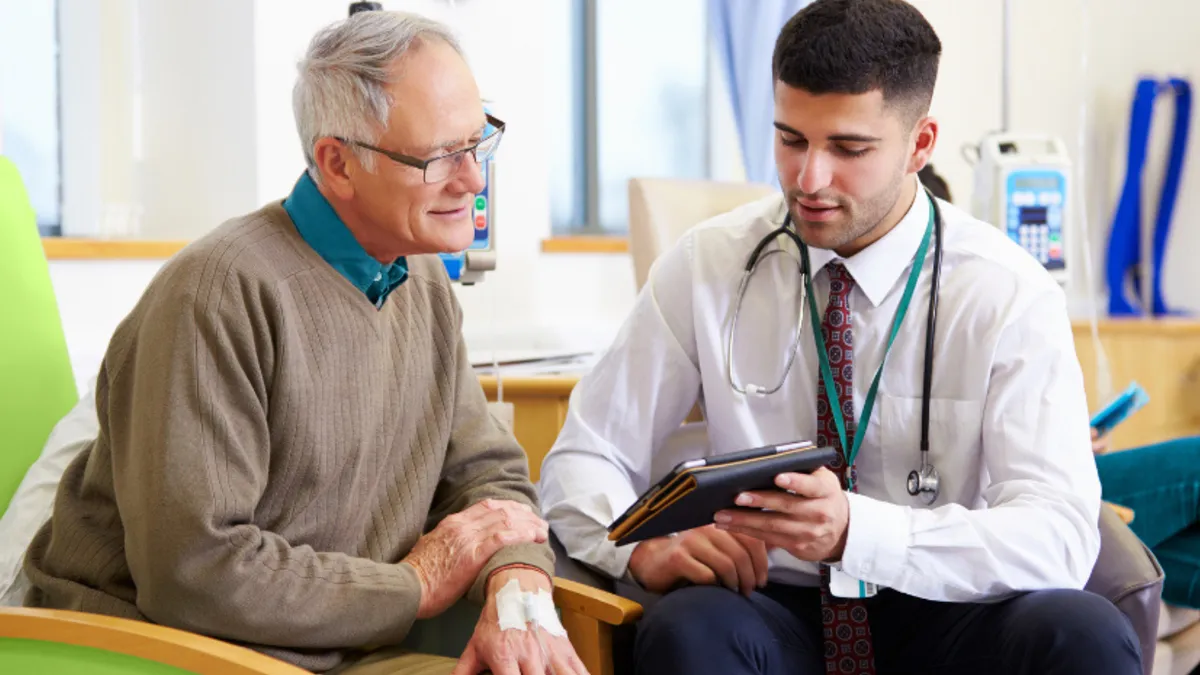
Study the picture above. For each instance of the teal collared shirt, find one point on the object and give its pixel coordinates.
(321, 227)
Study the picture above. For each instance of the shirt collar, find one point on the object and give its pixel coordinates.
(878, 267)
(325, 232)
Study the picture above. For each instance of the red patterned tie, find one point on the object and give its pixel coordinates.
(848, 646)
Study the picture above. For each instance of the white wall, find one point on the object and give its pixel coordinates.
(532, 302)
(563, 301)
(197, 114)
(1121, 39)
(93, 297)
(158, 116)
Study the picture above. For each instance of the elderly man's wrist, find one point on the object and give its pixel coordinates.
(497, 577)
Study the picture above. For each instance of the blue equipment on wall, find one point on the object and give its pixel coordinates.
(467, 267)
(1125, 256)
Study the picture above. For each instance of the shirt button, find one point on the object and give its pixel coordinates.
(378, 277)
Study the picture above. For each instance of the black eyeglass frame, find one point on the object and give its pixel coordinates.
(423, 164)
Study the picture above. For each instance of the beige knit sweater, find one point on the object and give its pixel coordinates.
(271, 446)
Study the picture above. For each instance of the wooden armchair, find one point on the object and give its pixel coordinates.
(74, 643)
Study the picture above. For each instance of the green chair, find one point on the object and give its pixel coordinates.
(37, 386)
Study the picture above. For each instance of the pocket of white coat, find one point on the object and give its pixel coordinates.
(954, 446)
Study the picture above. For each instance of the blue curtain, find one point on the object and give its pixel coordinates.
(745, 32)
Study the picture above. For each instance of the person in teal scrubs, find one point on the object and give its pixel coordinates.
(1161, 483)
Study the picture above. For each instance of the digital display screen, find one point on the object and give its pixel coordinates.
(1033, 215)
(1035, 183)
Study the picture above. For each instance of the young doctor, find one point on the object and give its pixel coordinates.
(981, 574)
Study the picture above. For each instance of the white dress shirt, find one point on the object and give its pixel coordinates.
(1020, 496)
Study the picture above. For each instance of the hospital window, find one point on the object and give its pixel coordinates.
(628, 84)
(29, 121)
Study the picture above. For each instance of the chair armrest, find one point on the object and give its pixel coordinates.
(1125, 513)
(594, 603)
(1129, 576)
(151, 642)
(590, 616)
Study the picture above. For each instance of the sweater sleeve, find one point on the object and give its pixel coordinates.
(484, 461)
(187, 424)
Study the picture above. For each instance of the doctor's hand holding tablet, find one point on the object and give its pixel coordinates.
(808, 516)
(774, 496)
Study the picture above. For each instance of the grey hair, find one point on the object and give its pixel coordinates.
(341, 86)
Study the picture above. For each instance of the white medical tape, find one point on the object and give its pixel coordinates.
(545, 614)
(510, 605)
(516, 607)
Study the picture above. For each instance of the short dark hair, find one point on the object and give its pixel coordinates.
(856, 46)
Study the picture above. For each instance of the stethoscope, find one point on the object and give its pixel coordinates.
(923, 482)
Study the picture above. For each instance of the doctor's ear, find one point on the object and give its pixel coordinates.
(924, 138)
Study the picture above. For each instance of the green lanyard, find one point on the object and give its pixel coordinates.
(835, 403)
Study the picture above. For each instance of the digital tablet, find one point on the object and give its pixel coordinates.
(692, 493)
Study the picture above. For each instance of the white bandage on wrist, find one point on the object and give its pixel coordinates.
(517, 608)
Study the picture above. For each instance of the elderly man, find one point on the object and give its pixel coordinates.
(293, 451)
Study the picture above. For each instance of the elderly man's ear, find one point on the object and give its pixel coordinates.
(335, 164)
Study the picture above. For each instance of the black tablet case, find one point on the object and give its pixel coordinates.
(689, 497)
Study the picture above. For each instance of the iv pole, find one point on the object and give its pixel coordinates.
(1006, 70)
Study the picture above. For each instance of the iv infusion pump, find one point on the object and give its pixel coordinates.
(1022, 186)
(467, 267)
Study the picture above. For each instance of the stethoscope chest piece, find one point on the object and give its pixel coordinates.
(924, 483)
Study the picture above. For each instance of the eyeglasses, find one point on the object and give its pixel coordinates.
(442, 167)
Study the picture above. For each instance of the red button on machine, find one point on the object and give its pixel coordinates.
(480, 222)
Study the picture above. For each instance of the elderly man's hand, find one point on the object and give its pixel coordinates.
(1099, 443)
(449, 558)
(516, 652)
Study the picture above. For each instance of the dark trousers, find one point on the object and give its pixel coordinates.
(709, 629)
(1161, 483)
